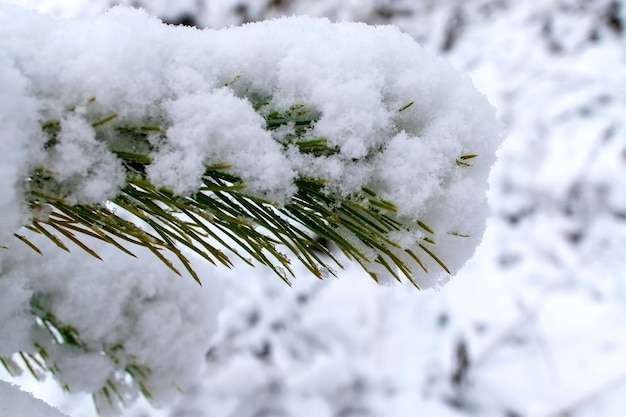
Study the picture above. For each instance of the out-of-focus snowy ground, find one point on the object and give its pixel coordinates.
(534, 325)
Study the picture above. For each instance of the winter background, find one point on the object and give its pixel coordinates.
(533, 325)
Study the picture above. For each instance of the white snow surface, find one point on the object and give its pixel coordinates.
(129, 317)
(14, 402)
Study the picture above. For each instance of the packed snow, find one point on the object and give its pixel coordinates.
(533, 324)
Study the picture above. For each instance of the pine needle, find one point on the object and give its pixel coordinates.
(28, 243)
(406, 106)
(221, 220)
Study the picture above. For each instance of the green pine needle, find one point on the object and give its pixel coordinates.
(406, 106)
(221, 220)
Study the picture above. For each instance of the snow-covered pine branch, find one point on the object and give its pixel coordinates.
(119, 132)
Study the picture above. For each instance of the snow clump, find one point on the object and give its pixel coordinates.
(393, 120)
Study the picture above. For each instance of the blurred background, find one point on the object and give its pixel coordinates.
(535, 324)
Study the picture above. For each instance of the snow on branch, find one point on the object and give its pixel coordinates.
(248, 141)
(351, 131)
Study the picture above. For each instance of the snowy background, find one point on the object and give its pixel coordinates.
(534, 323)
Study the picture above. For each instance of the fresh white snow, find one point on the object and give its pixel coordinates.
(540, 307)
(15, 402)
(400, 122)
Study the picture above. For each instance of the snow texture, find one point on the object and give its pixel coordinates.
(400, 121)
(18, 118)
(14, 402)
(405, 125)
(125, 317)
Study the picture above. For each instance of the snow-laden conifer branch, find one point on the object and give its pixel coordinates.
(248, 142)
(221, 215)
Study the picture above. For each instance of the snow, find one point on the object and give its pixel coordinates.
(18, 119)
(14, 402)
(129, 315)
(399, 121)
(84, 164)
(209, 129)
(540, 307)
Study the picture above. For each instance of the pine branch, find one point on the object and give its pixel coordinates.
(221, 219)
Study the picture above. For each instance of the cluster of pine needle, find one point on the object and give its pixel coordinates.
(221, 219)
